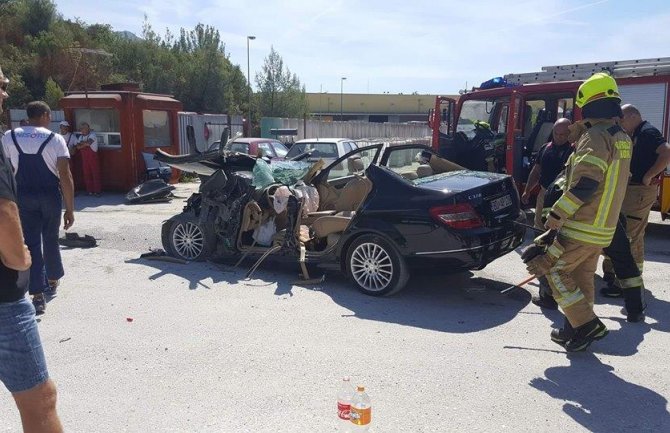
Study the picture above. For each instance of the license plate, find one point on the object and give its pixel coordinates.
(501, 203)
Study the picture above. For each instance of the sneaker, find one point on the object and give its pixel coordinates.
(585, 335)
(545, 302)
(40, 304)
(562, 335)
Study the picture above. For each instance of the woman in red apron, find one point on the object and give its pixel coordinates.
(88, 149)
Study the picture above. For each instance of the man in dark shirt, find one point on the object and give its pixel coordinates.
(651, 155)
(22, 365)
(549, 163)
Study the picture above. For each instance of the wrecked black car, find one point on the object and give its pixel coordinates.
(376, 213)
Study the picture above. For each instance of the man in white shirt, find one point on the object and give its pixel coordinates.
(87, 145)
(23, 369)
(40, 161)
(69, 137)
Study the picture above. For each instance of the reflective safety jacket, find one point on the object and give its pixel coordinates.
(596, 179)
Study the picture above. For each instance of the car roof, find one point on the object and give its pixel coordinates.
(249, 140)
(322, 140)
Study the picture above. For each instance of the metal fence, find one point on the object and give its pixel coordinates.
(215, 124)
(311, 128)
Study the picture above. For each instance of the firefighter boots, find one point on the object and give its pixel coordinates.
(586, 334)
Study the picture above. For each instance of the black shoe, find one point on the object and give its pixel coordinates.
(40, 304)
(635, 316)
(611, 291)
(635, 306)
(562, 335)
(52, 288)
(585, 335)
(545, 301)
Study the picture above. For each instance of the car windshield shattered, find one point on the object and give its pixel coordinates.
(284, 172)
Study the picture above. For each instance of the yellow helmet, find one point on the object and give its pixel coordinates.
(599, 86)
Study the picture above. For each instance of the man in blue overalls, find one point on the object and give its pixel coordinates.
(40, 160)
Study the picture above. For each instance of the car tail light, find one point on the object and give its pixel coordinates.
(457, 216)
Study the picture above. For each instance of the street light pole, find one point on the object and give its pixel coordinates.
(249, 38)
(341, 93)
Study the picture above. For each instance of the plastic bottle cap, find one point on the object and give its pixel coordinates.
(360, 388)
(346, 378)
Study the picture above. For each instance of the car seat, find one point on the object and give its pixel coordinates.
(352, 196)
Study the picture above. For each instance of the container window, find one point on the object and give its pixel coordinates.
(156, 128)
(104, 122)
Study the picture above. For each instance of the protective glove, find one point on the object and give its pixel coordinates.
(543, 254)
(541, 264)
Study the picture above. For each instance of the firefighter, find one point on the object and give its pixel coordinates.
(548, 165)
(651, 155)
(620, 254)
(582, 222)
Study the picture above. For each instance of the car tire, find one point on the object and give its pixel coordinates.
(376, 266)
(184, 237)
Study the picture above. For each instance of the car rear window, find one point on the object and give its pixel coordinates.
(239, 147)
(320, 150)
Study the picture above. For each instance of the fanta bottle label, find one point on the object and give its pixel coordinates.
(361, 416)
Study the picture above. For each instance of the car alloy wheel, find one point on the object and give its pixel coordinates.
(371, 267)
(188, 240)
(376, 266)
(185, 237)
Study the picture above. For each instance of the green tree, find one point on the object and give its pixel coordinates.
(19, 95)
(280, 93)
(37, 15)
(52, 93)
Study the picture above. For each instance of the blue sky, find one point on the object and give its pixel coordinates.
(406, 46)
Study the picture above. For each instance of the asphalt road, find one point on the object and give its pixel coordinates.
(208, 352)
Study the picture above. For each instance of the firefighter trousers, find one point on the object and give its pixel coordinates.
(572, 280)
(621, 258)
(636, 207)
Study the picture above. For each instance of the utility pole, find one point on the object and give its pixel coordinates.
(249, 38)
(341, 99)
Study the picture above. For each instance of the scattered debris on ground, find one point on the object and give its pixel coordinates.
(160, 254)
(74, 240)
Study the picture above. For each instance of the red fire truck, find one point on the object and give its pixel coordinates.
(507, 119)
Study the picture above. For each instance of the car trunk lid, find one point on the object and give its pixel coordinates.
(492, 195)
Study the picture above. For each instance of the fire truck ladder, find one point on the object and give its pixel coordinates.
(582, 71)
